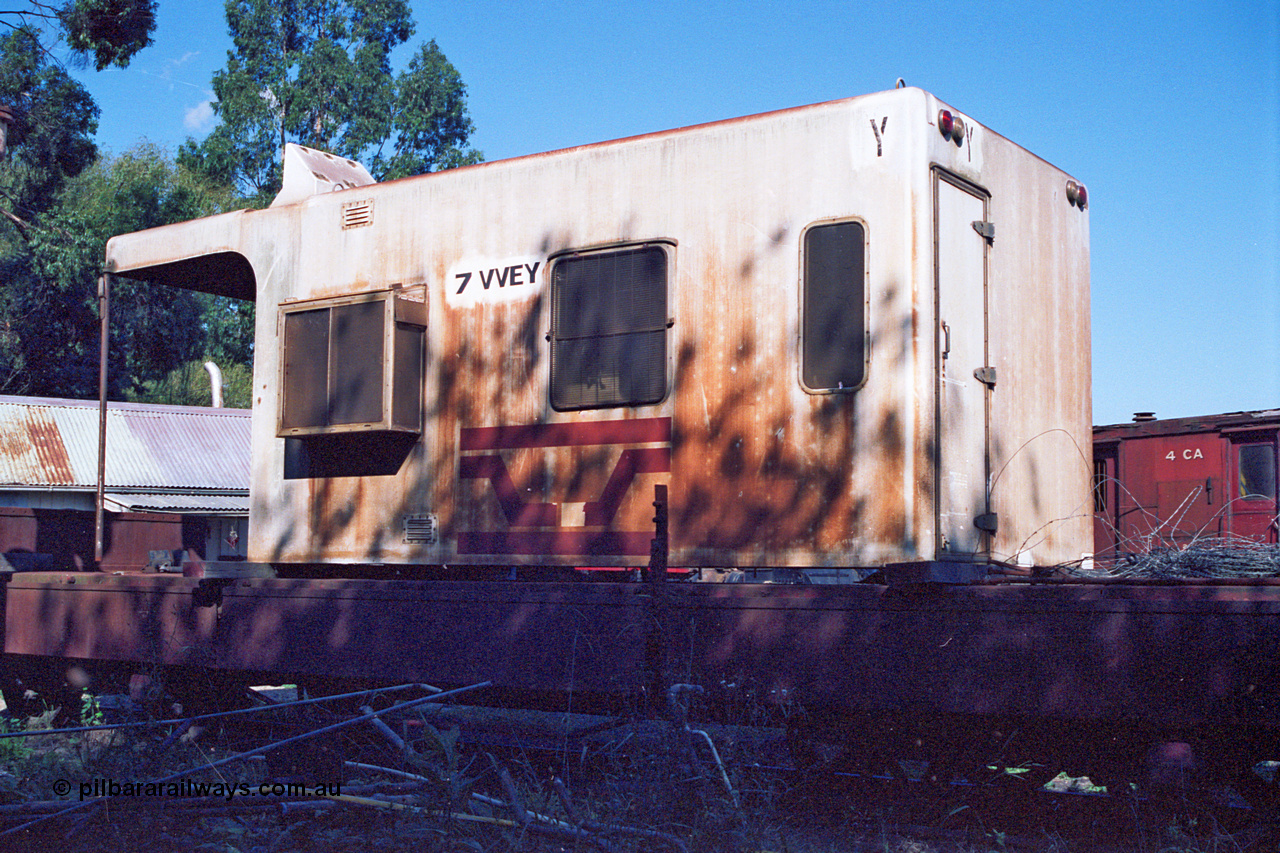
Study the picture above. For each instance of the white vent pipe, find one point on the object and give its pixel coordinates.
(215, 380)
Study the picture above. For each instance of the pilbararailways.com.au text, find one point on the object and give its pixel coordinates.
(96, 788)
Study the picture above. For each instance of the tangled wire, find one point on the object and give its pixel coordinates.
(1204, 557)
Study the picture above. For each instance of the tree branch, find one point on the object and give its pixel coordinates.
(15, 27)
(22, 14)
(23, 225)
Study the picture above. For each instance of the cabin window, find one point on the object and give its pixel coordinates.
(352, 364)
(833, 335)
(609, 328)
(1257, 471)
(1100, 479)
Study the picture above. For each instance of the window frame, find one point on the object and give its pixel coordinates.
(1269, 454)
(667, 247)
(1100, 479)
(402, 369)
(804, 304)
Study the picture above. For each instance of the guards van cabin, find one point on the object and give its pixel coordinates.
(843, 336)
(1170, 482)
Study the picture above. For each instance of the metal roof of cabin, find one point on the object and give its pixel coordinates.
(53, 443)
(1231, 421)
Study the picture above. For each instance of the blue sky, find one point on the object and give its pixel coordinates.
(1168, 112)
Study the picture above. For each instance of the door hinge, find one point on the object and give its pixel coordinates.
(986, 229)
(987, 522)
(986, 375)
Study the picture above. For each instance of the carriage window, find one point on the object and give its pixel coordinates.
(609, 329)
(1257, 471)
(833, 337)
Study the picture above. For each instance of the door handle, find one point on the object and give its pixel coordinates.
(946, 340)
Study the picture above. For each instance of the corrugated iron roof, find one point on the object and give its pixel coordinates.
(181, 503)
(50, 442)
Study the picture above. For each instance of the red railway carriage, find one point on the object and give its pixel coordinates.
(1172, 481)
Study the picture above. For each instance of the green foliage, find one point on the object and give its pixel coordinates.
(48, 313)
(11, 749)
(143, 188)
(228, 326)
(51, 138)
(111, 31)
(59, 204)
(430, 119)
(90, 711)
(50, 144)
(318, 73)
(188, 385)
(153, 328)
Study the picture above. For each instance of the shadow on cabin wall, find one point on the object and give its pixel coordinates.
(374, 454)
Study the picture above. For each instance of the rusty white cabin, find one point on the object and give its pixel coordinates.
(843, 335)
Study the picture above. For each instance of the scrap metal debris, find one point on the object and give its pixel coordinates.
(1214, 558)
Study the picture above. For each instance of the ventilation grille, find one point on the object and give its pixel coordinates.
(357, 214)
(420, 528)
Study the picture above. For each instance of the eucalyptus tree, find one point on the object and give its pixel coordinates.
(48, 311)
(108, 31)
(319, 73)
(60, 202)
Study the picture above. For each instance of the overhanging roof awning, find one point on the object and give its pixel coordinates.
(180, 504)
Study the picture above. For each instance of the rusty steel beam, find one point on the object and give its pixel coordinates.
(1171, 654)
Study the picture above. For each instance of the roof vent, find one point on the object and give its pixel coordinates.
(308, 172)
(1143, 417)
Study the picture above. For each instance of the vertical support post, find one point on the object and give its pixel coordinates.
(104, 304)
(657, 621)
(658, 545)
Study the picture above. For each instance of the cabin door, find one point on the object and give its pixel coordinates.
(964, 380)
(1253, 481)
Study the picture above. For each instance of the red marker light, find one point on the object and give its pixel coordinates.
(1077, 195)
(946, 123)
(951, 126)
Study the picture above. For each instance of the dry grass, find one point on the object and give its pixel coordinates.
(641, 786)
